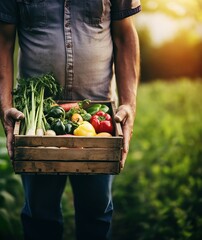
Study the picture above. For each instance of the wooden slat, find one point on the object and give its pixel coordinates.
(17, 128)
(73, 142)
(67, 167)
(118, 129)
(42, 153)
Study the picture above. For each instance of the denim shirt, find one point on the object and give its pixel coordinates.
(70, 38)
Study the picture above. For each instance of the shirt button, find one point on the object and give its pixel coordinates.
(70, 67)
(69, 45)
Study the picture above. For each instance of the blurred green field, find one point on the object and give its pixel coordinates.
(158, 196)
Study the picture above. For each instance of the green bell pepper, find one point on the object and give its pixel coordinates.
(104, 108)
(94, 108)
(58, 126)
(97, 107)
(56, 112)
(69, 126)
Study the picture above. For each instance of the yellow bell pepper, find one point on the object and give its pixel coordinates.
(85, 129)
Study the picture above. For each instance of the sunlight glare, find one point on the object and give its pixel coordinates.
(161, 27)
(152, 5)
(178, 9)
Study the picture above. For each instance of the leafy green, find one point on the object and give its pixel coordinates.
(29, 98)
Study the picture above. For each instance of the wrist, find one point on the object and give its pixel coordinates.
(128, 98)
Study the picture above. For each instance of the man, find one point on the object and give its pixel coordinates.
(80, 42)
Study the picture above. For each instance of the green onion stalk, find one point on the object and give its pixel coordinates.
(30, 97)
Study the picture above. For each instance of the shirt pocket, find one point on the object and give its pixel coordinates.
(32, 13)
(97, 11)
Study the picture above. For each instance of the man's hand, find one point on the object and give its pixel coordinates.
(10, 116)
(125, 115)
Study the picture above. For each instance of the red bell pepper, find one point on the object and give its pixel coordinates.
(102, 122)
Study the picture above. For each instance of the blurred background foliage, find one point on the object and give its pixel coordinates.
(170, 36)
(158, 195)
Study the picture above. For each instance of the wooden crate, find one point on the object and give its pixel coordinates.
(68, 155)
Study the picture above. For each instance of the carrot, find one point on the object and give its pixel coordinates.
(68, 106)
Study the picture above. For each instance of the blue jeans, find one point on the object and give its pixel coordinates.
(42, 216)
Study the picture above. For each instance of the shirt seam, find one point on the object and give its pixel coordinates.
(69, 73)
(118, 15)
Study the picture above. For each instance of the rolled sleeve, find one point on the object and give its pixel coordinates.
(124, 8)
(8, 11)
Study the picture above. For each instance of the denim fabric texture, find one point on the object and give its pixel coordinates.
(42, 217)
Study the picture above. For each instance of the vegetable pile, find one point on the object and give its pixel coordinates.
(73, 118)
(36, 98)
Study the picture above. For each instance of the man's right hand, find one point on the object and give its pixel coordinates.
(10, 116)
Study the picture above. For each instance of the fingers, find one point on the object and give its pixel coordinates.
(123, 160)
(127, 133)
(125, 115)
(9, 143)
(10, 116)
(121, 114)
(13, 113)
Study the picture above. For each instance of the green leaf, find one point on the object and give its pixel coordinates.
(6, 199)
(5, 225)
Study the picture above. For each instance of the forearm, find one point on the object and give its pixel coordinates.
(5, 85)
(126, 60)
(7, 40)
(127, 63)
